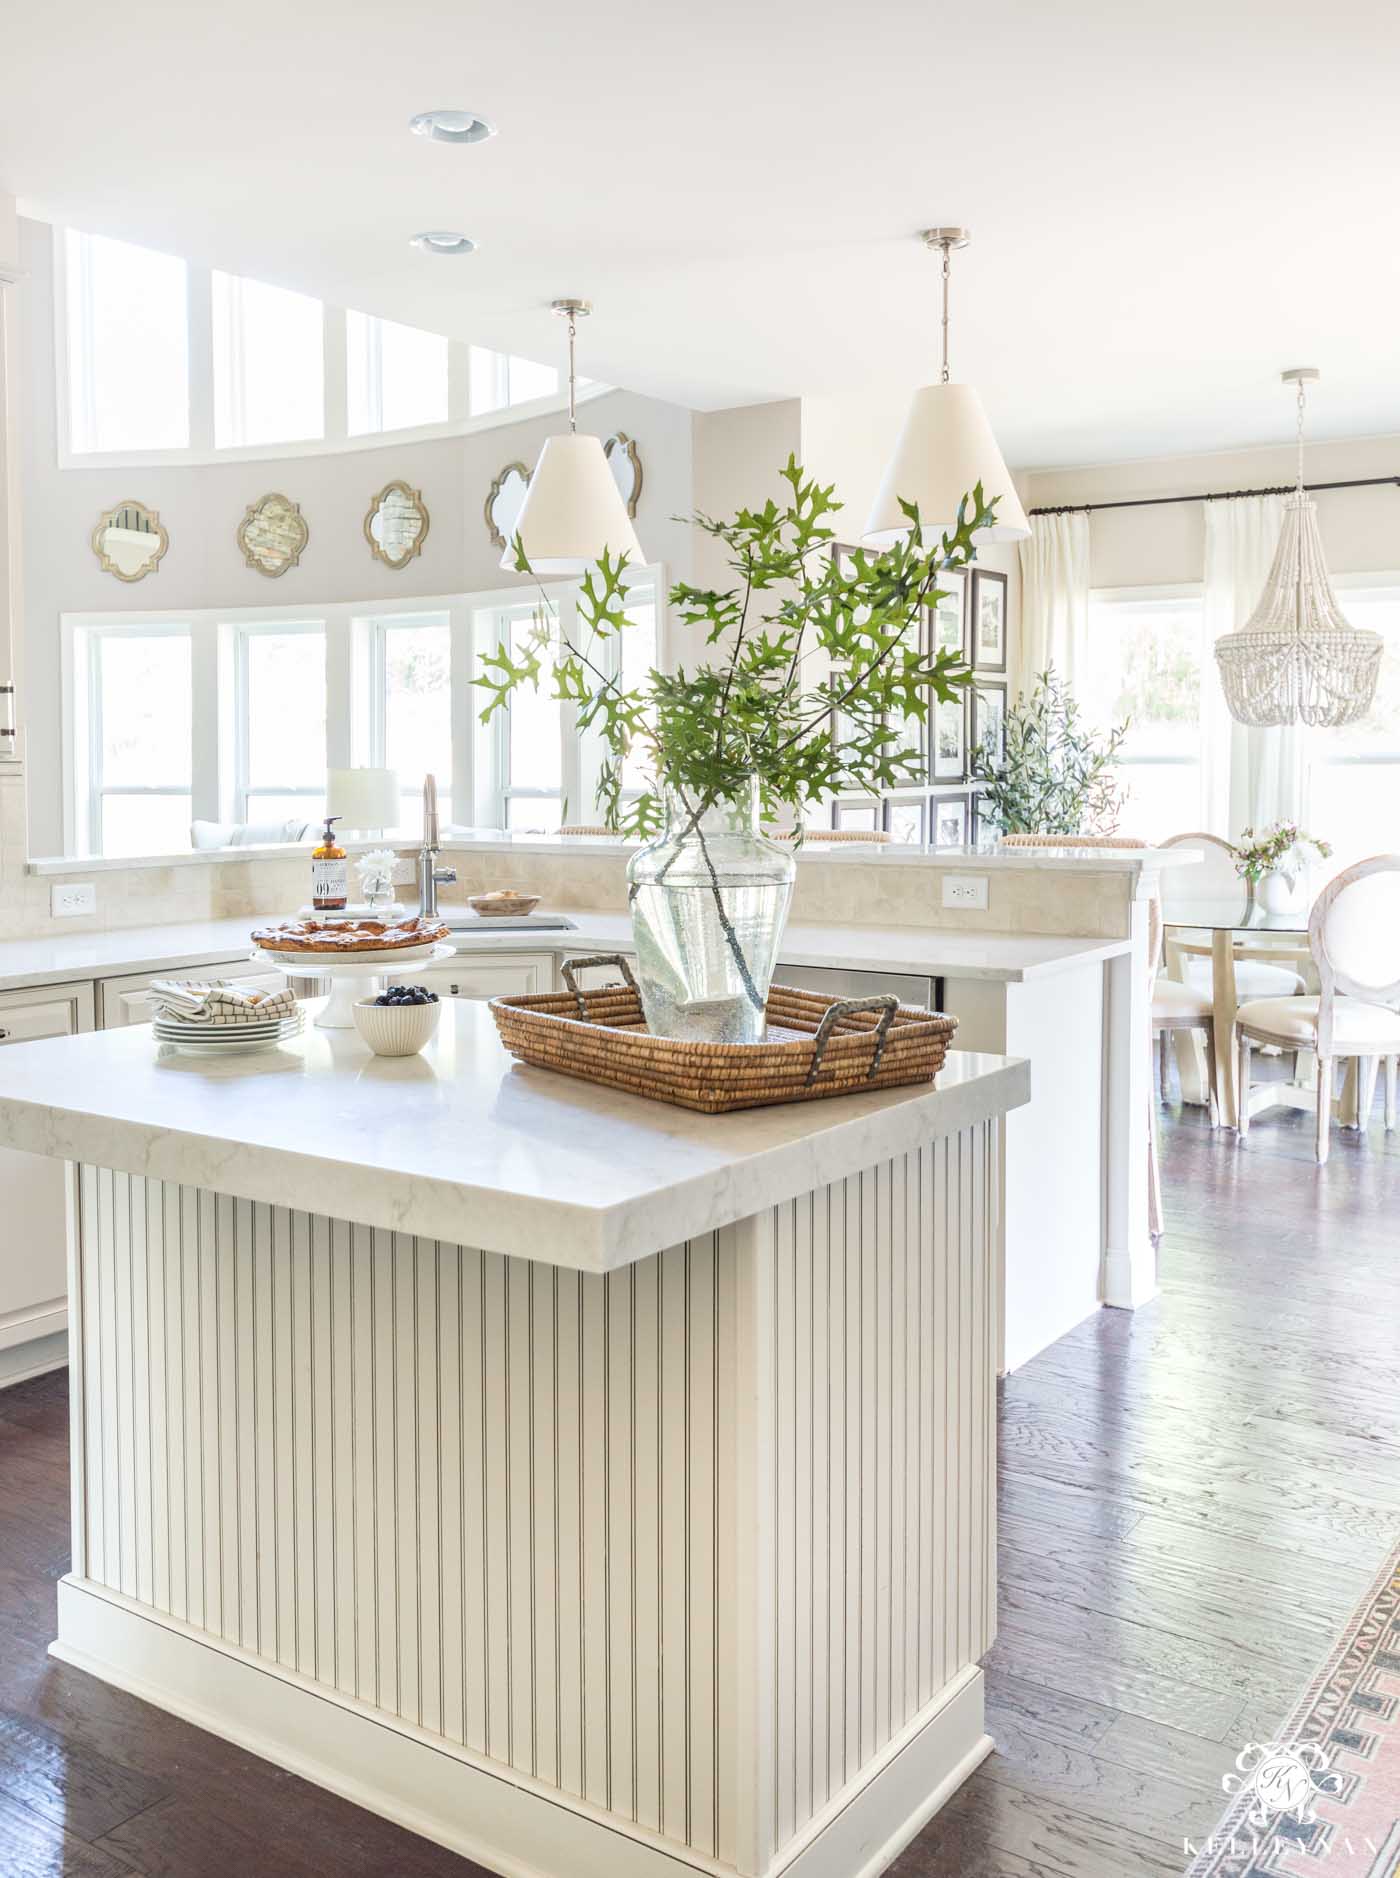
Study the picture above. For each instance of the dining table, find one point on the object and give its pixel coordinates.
(1229, 928)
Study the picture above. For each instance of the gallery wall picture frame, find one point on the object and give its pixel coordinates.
(129, 540)
(949, 821)
(625, 462)
(947, 616)
(273, 534)
(987, 621)
(906, 820)
(987, 705)
(504, 501)
(948, 745)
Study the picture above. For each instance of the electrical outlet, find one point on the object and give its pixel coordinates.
(72, 898)
(965, 890)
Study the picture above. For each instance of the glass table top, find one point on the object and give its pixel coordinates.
(1230, 912)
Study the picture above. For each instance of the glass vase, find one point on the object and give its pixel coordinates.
(709, 902)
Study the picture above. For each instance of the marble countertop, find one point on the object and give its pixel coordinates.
(462, 1143)
(925, 950)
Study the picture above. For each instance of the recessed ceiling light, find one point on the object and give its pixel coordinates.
(451, 126)
(443, 241)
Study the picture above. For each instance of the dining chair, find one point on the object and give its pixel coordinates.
(1261, 971)
(1354, 937)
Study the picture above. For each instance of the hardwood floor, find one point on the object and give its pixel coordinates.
(1193, 1499)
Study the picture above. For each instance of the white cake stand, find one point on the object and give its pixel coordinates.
(351, 978)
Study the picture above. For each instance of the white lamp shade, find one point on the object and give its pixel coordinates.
(572, 511)
(945, 449)
(364, 798)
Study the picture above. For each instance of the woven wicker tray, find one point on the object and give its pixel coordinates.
(815, 1046)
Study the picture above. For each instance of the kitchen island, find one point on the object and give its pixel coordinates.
(594, 1487)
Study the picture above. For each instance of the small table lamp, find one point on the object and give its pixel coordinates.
(364, 799)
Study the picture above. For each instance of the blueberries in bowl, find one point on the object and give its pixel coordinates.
(406, 994)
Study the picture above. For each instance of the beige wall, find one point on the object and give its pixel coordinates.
(1156, 546)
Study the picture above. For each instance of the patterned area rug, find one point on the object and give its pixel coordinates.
(1324, 1799)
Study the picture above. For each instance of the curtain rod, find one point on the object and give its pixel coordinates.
(1215, 495)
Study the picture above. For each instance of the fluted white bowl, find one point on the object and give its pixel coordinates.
(396, 1029)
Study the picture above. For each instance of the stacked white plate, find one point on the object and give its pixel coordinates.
(201, 1039)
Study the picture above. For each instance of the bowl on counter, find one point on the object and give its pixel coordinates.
(396, 1029)
(503, 904)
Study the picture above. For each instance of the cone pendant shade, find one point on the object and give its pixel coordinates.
(573, 511)
(945, 449)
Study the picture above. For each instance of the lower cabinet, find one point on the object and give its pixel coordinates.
(34, 1244)
(127, 1000)
(473, 975)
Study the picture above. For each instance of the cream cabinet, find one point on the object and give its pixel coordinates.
(127, 1000)
(33, 1246)
(482, 975)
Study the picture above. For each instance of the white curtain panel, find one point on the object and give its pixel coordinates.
(1055, 600)
(1250, 776)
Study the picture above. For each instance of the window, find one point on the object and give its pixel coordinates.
(138, 743)
(268, 364)
(281, 769)
(1146, 667)
(498, 379)
(413, 709)
(531, 732)
(128, 347)
(1354, 772)
(396, 376)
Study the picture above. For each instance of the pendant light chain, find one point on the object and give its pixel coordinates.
(947, 247)
(573, 408)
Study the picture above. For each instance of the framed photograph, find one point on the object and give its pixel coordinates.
(988, 714)
(988, 616)
(980, 832)
(946, 621)
(949, 741)
(860, 815)
(950, 821)
(904, 821)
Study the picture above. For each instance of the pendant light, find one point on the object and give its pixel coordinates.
(945, 449)
(573, 511)
(1298, 659)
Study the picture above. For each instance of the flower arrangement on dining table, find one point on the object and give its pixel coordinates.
(1280, 848)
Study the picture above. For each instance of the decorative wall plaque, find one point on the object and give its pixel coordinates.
(503, 502)
(397, 524)
(129, 541)
(272, 534)
(624, 460)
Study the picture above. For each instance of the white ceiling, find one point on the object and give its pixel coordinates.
(1169, 202)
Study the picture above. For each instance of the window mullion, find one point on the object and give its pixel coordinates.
(464, 701)
(204, 724)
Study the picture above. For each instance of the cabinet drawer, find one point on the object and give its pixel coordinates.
(477, 977)
(126, 1000)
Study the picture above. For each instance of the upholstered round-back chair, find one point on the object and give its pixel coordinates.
(1354, 935)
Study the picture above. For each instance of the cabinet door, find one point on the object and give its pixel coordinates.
(126, 1001)
(475, 976)
(34, 1244)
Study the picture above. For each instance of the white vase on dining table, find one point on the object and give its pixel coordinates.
(1281, 892)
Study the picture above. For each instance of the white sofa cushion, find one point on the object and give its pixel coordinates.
(1294, 1020)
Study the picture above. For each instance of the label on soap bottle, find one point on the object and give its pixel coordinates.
(330, 882)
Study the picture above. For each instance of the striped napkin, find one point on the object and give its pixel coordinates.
(217, 1004)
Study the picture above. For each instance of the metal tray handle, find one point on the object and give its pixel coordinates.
(570, 966)
(885, 1001)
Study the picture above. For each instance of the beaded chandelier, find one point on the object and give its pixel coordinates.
(1298, 660)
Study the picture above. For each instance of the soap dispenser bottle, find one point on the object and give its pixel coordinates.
(330, 873)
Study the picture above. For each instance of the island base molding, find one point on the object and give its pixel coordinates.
(483, 1813)
(683, 1567)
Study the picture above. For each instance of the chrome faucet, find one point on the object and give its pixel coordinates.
(430, 875)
